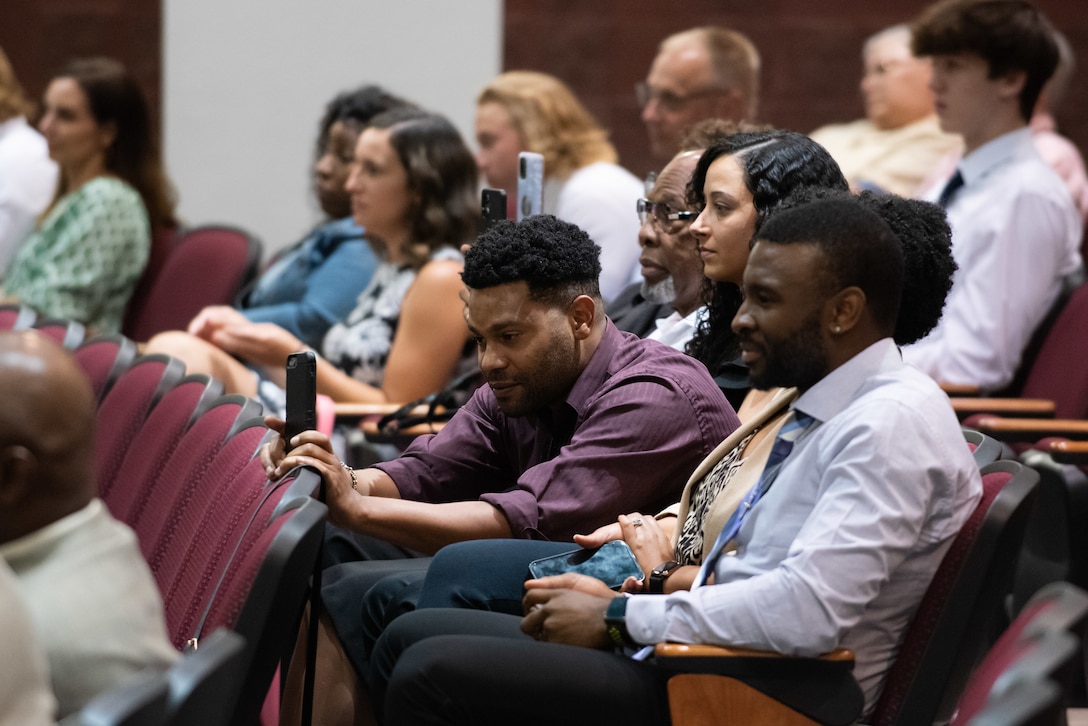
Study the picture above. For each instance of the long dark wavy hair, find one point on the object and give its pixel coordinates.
(776, 164)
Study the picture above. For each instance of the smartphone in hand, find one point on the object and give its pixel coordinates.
(492, 207)
(301, 394)
(530, 184)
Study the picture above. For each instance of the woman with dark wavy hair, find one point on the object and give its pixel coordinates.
(738, 183)
(94, 240)
(413, 189)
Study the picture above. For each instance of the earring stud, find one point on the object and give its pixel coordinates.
(836, 329)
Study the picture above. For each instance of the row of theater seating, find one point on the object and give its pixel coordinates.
(176, 461)
(231, 552)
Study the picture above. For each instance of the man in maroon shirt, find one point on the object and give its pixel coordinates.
(578, 422)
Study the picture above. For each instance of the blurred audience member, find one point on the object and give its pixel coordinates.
(583, 184)
(1056, 150)
(315, 282)
(92, 599)
(28, 177)
(701, 73)
(1015, 230)
(90, 248)
(413, 189)
(896, 144)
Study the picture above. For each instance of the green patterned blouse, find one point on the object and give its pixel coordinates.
(84, 260)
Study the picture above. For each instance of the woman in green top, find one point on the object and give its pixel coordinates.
(92, 243)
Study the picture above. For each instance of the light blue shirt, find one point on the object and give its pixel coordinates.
(1015, 235)
(841, 548)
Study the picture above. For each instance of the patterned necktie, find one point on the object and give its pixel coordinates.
(783, 445)
(950, 189)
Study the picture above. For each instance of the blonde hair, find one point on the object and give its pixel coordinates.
(12, 101)
(550, 121)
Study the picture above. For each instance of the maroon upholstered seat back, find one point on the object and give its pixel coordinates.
(951, 628)
(1056, 607)
(103, 359)
(145, 461)
(207, 266)
(1059, 373)
(122, 412)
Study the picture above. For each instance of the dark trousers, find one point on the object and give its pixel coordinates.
(439, 666)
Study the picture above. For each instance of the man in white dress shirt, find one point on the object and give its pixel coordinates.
(1015, 229)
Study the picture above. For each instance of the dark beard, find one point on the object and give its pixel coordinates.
(799, 360)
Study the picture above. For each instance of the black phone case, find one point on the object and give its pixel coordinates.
(301, 394)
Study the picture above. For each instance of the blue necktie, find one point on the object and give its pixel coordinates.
(783, 445)
(950, 189)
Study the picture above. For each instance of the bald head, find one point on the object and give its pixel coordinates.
(46, 434)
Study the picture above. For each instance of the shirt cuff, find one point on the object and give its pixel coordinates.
(645, 618)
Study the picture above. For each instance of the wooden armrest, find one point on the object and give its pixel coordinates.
(960, 389)
(759, 686)
(1069, 452)
(667, 650)
(365, 409)
(1031, 429)
(1018, 407)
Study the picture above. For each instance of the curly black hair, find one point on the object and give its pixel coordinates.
(356, 108)
(556, 259)
(925, 240)
(776, 163)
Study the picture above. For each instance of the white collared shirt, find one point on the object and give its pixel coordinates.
(841, 548)
(676, 330)
(1015, 235)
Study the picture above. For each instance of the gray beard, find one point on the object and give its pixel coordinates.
(661, 293)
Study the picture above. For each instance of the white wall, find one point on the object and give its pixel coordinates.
(245, 83)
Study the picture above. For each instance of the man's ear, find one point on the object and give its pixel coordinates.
(18, 466)
(844, 310)
(1012, 83)
(582, 313)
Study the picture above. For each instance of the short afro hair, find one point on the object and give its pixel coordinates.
(858, 249)
(556, 259)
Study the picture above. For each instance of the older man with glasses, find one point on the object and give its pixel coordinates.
(701, 73)
(666, 305)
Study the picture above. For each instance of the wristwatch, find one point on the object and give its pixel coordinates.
(659, 574)
(616, 622)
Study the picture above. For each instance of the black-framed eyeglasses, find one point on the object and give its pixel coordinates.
(665, 216)
(669, 100)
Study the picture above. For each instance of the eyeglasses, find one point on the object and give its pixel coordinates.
(666, 219)
(671, 101)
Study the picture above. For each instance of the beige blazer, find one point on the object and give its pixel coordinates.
(762, 413)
